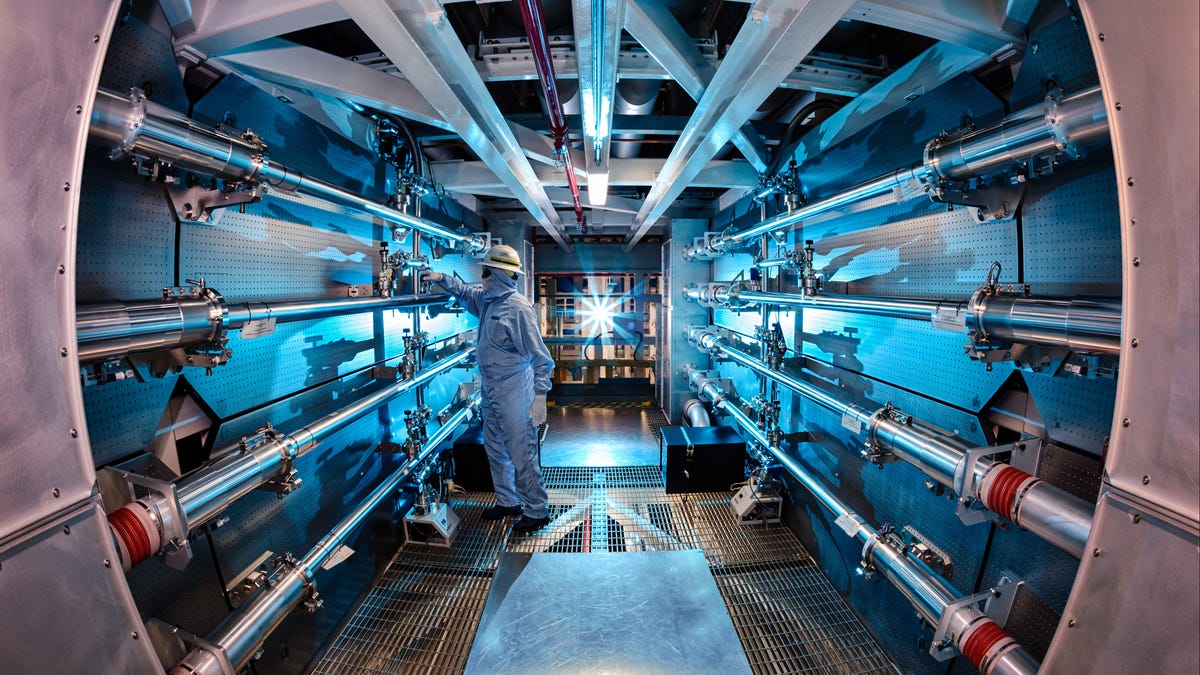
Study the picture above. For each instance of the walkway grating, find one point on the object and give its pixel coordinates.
(422, 614)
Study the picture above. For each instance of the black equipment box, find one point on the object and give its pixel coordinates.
(701, 459)
(471, 470)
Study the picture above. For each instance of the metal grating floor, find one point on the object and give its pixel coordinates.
(422, 614)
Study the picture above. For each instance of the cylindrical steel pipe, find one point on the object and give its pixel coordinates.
(242, 636)
(1043, 130)
(111, 330)
(1070, 125)
(977, 637)
(208, 492)
(137, 527)
(695, 414)
(132, 125)
(1058, 517)
(1083, 325)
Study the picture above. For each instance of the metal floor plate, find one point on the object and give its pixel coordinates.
(423, 614)
(649, 612)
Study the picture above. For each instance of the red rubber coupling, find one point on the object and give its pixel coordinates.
(1001, 495)
(986, 635)
(128, 528)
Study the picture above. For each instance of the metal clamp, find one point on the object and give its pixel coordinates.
(964, 479)
(997, 605)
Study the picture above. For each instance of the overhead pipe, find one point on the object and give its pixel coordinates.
(1052, 514)
(111, 330)
(976, 636)
(1083, 325)
(539, 45)
(147, 526)
(292, 583)
(132, 125)
(1055, 126)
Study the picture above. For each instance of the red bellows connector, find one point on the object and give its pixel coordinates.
(535, 31)
(1002, 488)
(983, 642)
(135, 534)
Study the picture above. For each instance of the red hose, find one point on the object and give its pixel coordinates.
(986, 635)
(131, 533)
(1002, 490)
(535, 31)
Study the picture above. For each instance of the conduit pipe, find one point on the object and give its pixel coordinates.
(695, 414)
(1083, 325)
(132, 125)
(145, 527)
(1055, 126)
(539, 45)
(111, 330)
(1052, 514)
(292, 584)
(980, 639)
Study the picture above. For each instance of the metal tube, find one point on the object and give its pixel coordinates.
(133, 125)
(1091, 326)
(695, 414)
(1083, 325)
(111, 330)
(1045, 510)
(206, 493)
(901, 308)
(1057, 517)
(1070, 125)
(242, 635)
(929, 595)
(1042, 130)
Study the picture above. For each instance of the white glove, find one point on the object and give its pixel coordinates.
(538, 411)
(433, 277)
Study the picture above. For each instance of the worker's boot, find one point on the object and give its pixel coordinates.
(527, 524)
(498, 512)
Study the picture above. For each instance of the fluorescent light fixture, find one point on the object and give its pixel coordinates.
(597, 185)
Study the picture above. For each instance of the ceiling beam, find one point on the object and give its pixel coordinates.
(221, 25)
(292, 65)
(421, 39)
(652, 24)
(974, 24)
(775, 37)
(478, 178)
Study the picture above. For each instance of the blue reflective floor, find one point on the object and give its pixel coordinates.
(599, 437)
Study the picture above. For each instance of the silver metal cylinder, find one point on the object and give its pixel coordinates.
(1071, 124)
(933, 451)
(695, 414)
(901, 308)
(1057, 517)
(1089, 326)
(209, 491)
(927, 592)
(242, 636)
(132, 125)
(113, 329)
